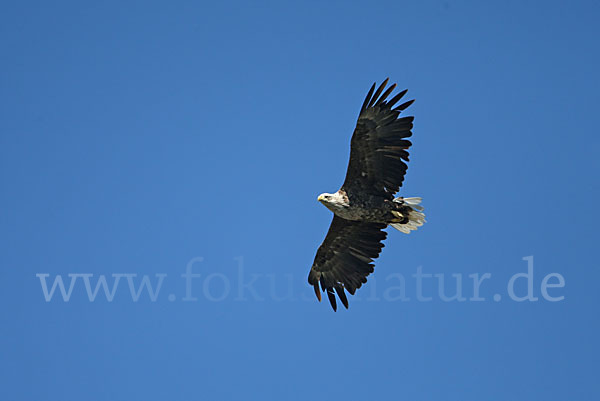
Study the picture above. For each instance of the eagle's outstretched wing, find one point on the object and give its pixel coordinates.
(378, 149)
(344, 259)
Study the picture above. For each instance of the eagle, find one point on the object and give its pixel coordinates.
(366, 204)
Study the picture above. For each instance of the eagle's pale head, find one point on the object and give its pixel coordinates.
(334, 201)
(325, 197)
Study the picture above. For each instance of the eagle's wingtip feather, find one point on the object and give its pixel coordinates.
(317, 292)
(332, 301)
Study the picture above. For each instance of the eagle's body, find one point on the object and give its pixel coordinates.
(366, 205)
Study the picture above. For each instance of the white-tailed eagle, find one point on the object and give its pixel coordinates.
(365, 204)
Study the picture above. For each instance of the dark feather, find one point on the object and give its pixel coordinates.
(368, 98)
(385, 94)
(395, 99)
(405, 105)
(317, 292)
(340, 291)
(331, 297)
(378, 92)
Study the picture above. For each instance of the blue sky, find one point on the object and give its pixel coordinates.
(139, 138)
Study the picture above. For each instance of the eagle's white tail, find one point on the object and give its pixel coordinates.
(416, 217)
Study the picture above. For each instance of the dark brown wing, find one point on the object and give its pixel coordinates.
(344, 259)
(378, 150)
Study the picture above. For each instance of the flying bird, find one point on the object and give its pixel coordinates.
(366, 204)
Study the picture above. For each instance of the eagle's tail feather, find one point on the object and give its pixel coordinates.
(416, 217)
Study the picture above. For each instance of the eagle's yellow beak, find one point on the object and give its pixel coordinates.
(321, 198)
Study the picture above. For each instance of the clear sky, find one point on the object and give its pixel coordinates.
(147, 139)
